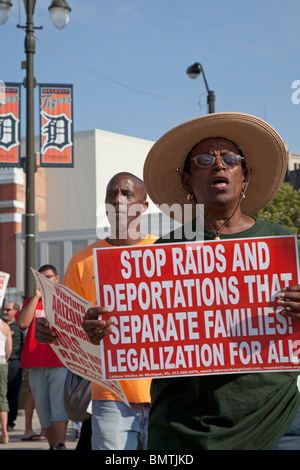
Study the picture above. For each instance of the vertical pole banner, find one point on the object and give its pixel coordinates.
(10, 124)
(198, 308)
(56, 126)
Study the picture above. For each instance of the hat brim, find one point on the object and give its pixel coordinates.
(262, 146)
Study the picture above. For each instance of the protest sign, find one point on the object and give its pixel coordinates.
(4, 277)
(198, 308)
(64, 310)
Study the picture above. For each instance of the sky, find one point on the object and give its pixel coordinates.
(127, 61)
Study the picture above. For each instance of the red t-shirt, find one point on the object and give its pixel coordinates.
(36, 354)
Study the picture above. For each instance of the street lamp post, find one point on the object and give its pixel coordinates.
(193, 71)
(30, 167)
(59, 10)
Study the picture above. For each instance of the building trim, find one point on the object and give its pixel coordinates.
(12, 203)
(12, 175)
(10, 217)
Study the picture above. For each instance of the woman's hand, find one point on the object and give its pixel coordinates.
(290, 300)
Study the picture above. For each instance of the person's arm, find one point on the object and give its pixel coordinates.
(26, 315)
(8, 343)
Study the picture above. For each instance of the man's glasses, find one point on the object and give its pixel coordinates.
(8, 309)
(206, 160)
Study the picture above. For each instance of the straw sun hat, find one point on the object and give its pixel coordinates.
(260, 143)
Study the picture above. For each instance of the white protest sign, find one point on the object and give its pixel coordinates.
(64, 309)
(4, 277)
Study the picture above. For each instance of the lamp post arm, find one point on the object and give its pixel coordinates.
(210, 94)
(193, 71)
(204, 78)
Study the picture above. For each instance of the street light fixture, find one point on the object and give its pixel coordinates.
(30, 83)
(5, 6)
(193, 71)
(60, 13)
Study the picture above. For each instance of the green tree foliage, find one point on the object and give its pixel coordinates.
(284, 209)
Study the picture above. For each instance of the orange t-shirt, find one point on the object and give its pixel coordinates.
(80, 277)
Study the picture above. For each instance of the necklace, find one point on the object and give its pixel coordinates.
(219, 230)
(216, 233)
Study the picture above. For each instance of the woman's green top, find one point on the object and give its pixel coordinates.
(226, 411)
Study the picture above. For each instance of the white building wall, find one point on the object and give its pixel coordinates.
(71, 192)
(293, 161)
(75, 194)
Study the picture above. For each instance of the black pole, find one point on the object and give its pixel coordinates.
(30, 154)
(211, 101)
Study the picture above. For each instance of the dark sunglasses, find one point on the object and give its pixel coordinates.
(206, 160)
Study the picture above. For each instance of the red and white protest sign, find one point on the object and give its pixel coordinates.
(4, 278)
(198, 308)
(65, 310)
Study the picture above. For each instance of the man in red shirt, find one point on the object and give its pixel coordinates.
(46, 372)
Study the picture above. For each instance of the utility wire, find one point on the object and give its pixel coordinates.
(111, 79)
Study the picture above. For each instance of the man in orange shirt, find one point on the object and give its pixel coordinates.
(115, 426)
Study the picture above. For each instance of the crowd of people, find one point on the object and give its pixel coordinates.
(26, 359)
(233, 164)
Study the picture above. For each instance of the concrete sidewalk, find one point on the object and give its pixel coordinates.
(15, 437)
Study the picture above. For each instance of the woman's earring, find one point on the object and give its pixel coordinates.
(190, 197)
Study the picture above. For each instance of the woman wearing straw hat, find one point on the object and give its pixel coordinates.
(234, 164)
